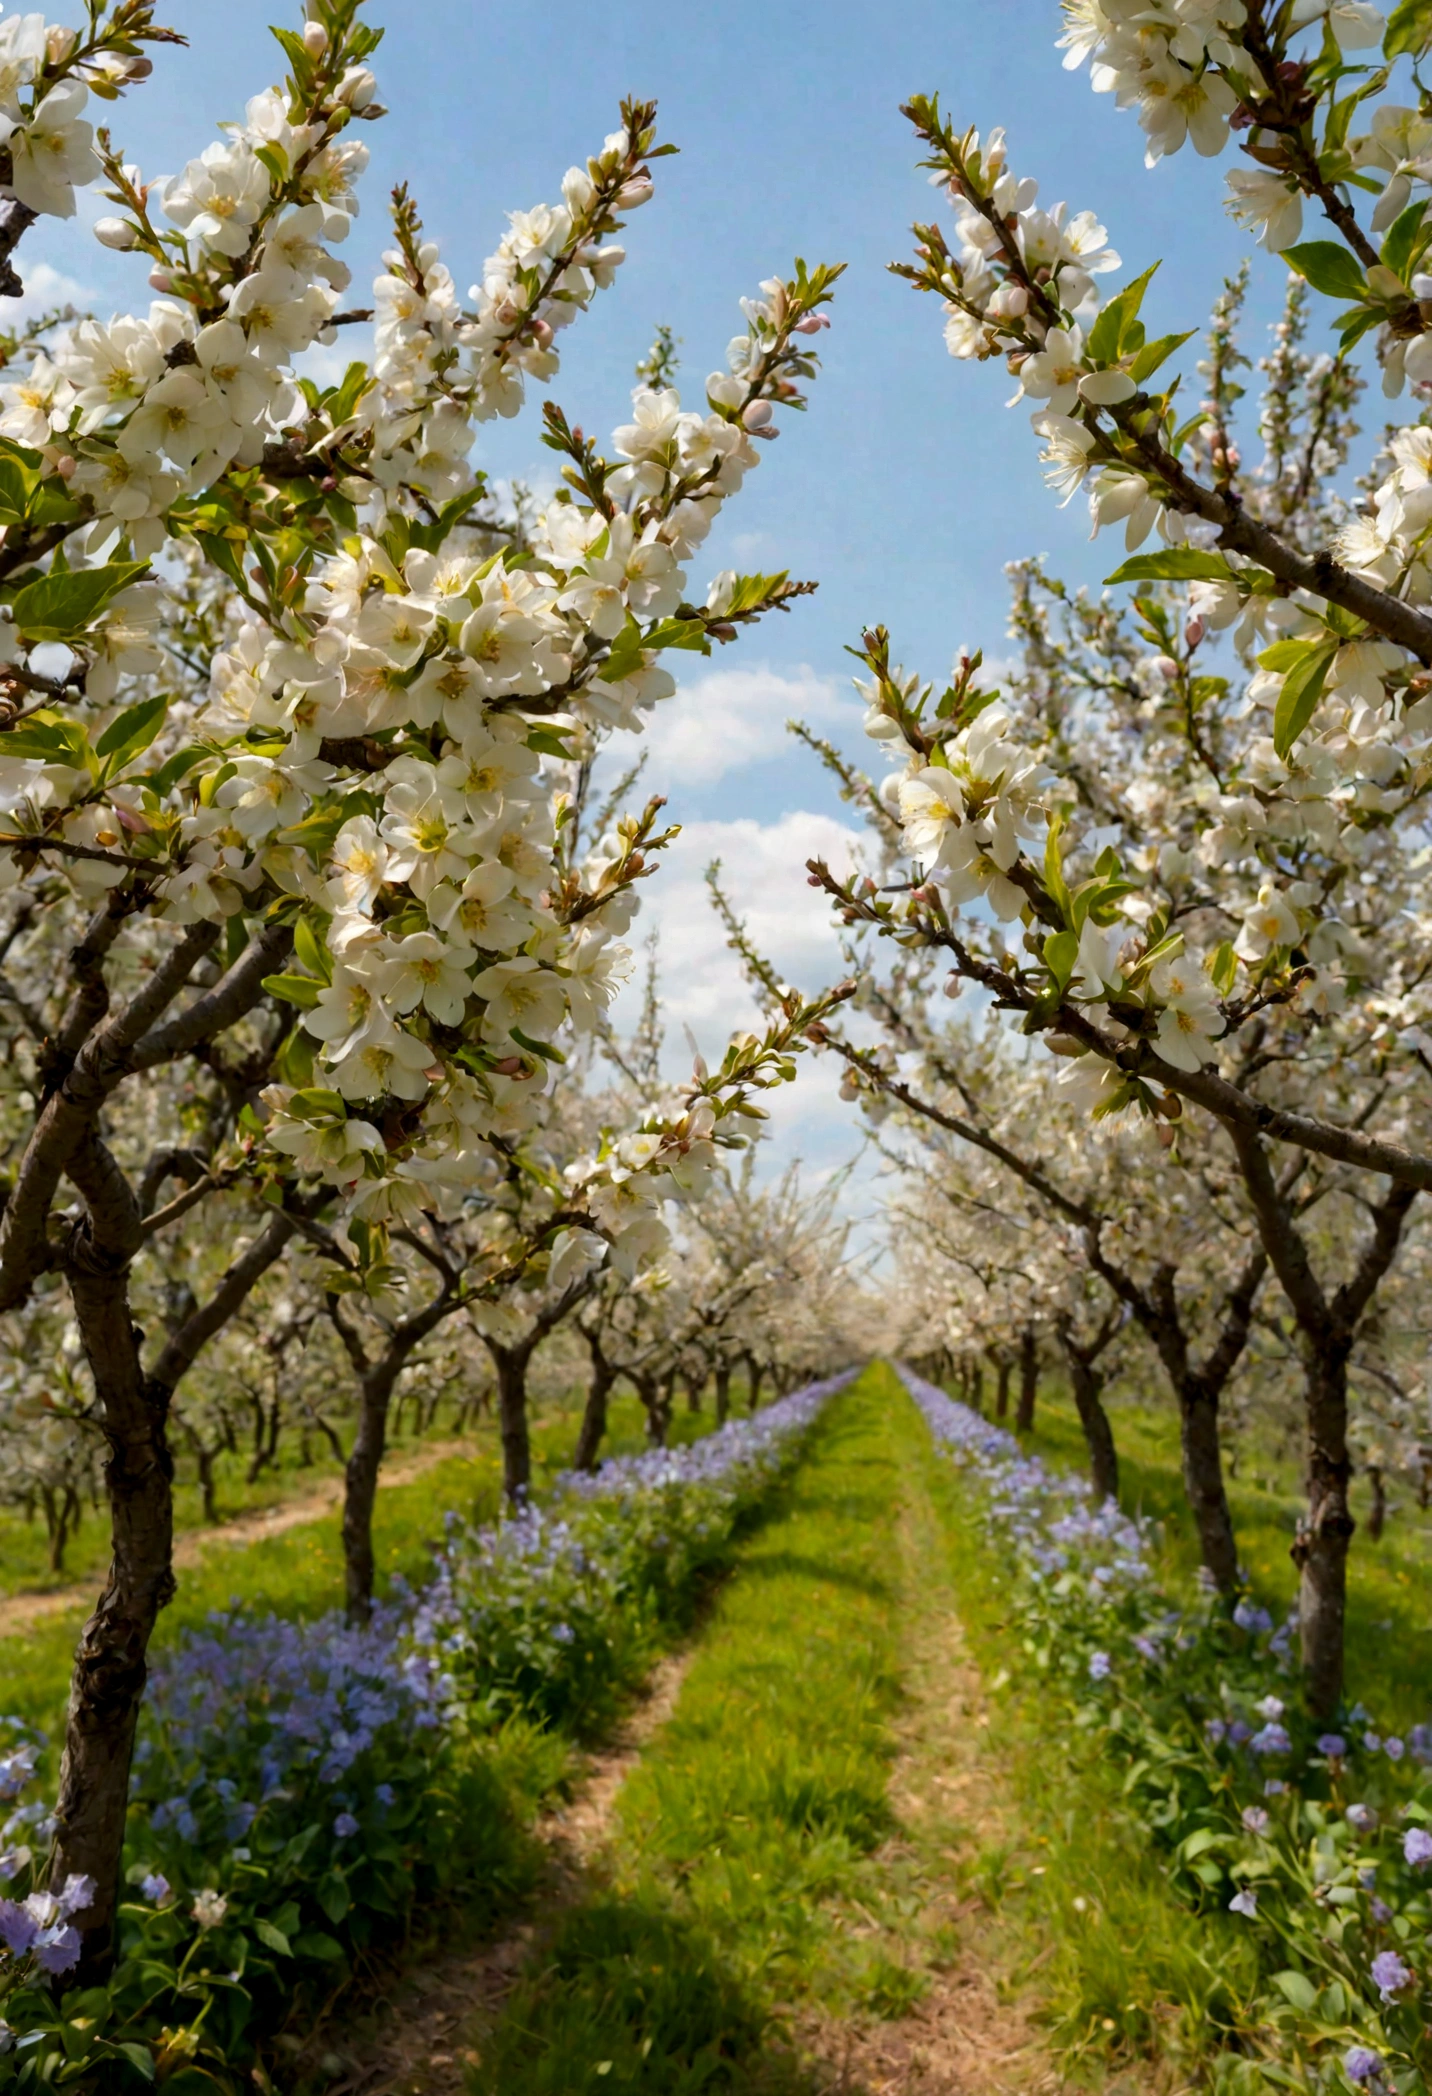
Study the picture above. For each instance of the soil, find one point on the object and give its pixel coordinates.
(415, 2043)
(20, 1612)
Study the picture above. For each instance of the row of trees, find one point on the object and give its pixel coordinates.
(308, 912)
(1177, 854)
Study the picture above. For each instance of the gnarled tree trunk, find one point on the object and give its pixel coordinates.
(594, 1411)
(723, 1392)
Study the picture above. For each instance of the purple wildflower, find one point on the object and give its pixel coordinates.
(345, 1826)
(1361, 1818)
(155, 1887)
(18, 1927)
(1244, 1902)
(1273, 1739)
(1417, 1847)
(1100, 1666)
(58, 1949)
(1361, 2063)
(1256, 1820)
(1372, 1741)
(1380, 1911)
(1389, 1974)
(1248, 1616)
(1394, 1749)
(1333, 1745)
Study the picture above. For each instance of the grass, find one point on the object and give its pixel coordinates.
(300, 1573)
(1078, 1896)
(749, 1814)
(1389, 1625)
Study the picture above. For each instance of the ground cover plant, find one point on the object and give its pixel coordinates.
(1316, 1839)
(305, 1788)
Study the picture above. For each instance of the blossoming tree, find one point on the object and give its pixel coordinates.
(281, 707)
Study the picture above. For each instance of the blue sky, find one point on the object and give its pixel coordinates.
(904, 489)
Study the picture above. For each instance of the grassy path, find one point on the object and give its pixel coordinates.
(788, 1900)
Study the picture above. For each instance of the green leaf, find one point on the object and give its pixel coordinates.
(174, 768)
(1296, 1988)
(544, 1049)
(1174, 564)
(273, 1938)
(314, 1943)
(53, 741)
(1197, 1842)
(333, 1894)
(311, 952)
(139, 2057)
(1407, 237)
(1061, 951)
(132, 731)
(1110, 330)
(1054, 879)
(294, 989)
(1409, 29)
(60, 605)
(1302, 689)
(549, 742)
(1328, 267)
(1224, 967)
(1147, 362)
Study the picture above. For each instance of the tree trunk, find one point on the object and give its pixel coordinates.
(1320, 1551)
(977, 1387)
(1377, 1519)
(655, 1404)
(594, 1413)
(1203, 1485)
(1001, 1400)
(360, 1482)
(1098, 1434)
(723, 1392)
(757, 1375)
(1028, 1380)
(110, 1670)
(511, 1365)
(695, 1391)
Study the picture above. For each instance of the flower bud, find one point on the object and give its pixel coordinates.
(954, 984)
(811, 324)
(59, 43)
(315, 39)
(632, 195)
(1193, 632)
(758, 414)
(160, 280)
(116, 233)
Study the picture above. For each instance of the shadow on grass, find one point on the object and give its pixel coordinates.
(632, 2000)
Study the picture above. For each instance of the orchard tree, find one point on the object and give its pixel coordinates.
(1202, 883)
(286, 716)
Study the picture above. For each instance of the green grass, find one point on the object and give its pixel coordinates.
(1389, 1633)
(748, 1814)
(300, 1573)
(1070, 1879)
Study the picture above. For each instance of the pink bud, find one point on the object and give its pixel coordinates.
(541, 333)
(1166, 666)
(160, 280)
(65, 467)
(1193, 632)
(812, 324)
(758, 414)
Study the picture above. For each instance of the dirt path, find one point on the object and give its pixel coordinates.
(19, 1612)
(418, 2044)
(976, 2030)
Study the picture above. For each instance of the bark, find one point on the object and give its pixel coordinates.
(655, 1398)
(723, 1392)
(1001, 1398)
(360, 1481)
(1327, 1329)
(1377, 1519)
(1028, 1380)
(1202, 1456)
(1098, 1434)
(511, 1365)
(110, 1668)
(695, 1392)
(756, 1373)
(594, 1412)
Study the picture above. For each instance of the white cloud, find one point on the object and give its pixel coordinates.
(764, 874)
(725, 720)
(763, 871)
(45, 288)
